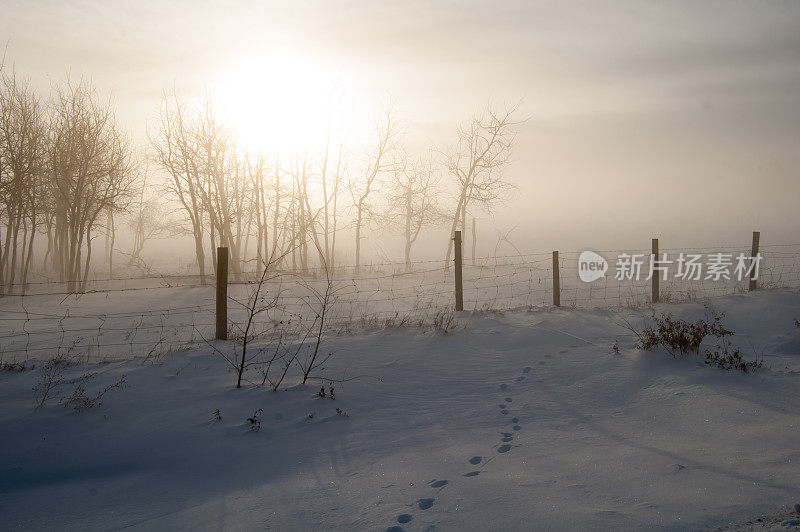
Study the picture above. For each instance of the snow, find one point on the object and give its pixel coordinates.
(516, 420)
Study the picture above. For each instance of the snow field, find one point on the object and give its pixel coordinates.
(513, 421)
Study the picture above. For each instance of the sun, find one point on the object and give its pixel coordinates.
(281, 102)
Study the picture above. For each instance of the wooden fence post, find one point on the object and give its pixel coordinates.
(459, 286)
(556, 281)
(754, 254)
(656, 273)
(222, 294)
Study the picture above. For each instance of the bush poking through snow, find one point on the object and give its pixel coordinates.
(321, 393)
(444, 321)
(15, 367)
(51, 377)
(441, 320)
(80, 400)
(255, 421)
(679, 336)
(728, 358)
(274, 346)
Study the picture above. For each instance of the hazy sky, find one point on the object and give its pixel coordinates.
(671, 119)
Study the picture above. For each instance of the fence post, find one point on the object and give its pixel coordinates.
(754, 254)
(656, 273)
(459, 286)
(222, 294)
(556, 281)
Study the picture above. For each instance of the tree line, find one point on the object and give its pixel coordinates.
(69, 174)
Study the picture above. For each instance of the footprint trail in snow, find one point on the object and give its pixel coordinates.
(505, 446)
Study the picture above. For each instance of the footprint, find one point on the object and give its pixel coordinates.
(507, 439)
(424, 504)
(502, 406)
(549, 356)
(504, 412)
(509, 400)
(527, 369)
(515, 420)
(404, 518)
(542, 362)
(517, 427)
(503, 386)
(506, 434)
(520, 378)
(475, 460)
(438, 483)
(395, 529)
(472, 474)
(563, 351)
(504, 448)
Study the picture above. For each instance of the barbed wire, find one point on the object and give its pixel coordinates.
(34, 327)
(367, 266)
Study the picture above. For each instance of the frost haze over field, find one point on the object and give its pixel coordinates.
(353, 265)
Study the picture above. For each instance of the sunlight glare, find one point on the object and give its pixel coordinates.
(281, 102)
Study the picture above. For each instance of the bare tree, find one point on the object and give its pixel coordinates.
(333, 169)
(90, 173)
(175, 152)
(225, 193)
(23, 135)
(211, 178)
(379, 161)
(149, 218)
(413, 200)
(261, 205)
(477, 160)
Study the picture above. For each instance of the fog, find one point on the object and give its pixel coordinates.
(674, 120)
(399, 265)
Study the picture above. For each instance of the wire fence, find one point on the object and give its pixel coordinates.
(147, 316)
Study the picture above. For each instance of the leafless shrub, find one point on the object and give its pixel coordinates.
(255, 420)
(283, 339)
(320, 301)
(80, 400)
(678, 336)
(17, 367)
(727, 357)
(444, 321)
(51, 377)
